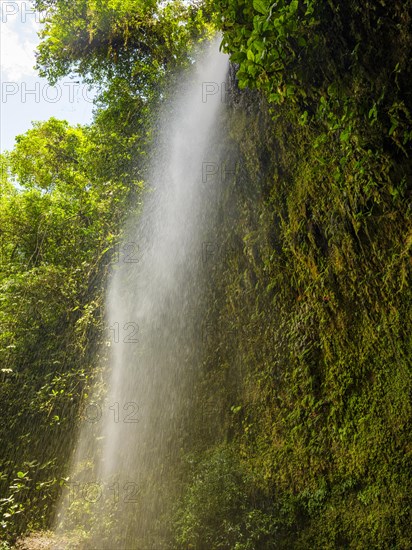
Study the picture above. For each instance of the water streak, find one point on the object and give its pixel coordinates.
(124, 470)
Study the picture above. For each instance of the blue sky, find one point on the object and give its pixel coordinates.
(24, 95)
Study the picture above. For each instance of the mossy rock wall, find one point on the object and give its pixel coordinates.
(305, 402)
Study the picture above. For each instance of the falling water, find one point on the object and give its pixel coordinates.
(125, 471)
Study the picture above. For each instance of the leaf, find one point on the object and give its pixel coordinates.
(304, 118)
(21, 475)
(238, 57)
(345, 135)
(261, 6)
(293, 6)
(259, 45)
(395, 124)
(250, 55)
(373, 112)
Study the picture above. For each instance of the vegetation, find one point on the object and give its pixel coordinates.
(300, 432)
(57, 229)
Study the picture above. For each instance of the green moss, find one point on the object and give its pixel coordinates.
(317, 300)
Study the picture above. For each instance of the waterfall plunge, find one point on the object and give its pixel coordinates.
(123, 469)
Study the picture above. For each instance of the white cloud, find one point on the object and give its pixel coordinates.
(18, 41)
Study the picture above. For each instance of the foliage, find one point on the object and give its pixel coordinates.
(299, 432)
(134, 42)
(218, 509)
(60, 216)
(65, 194)
(312, 389)
(271, 42)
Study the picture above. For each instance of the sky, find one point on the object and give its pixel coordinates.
(24, 96)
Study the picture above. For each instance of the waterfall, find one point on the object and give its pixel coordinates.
(125, 471)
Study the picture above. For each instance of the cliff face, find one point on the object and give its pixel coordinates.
(301, 426)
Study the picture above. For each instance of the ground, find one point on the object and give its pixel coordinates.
(46, 541)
